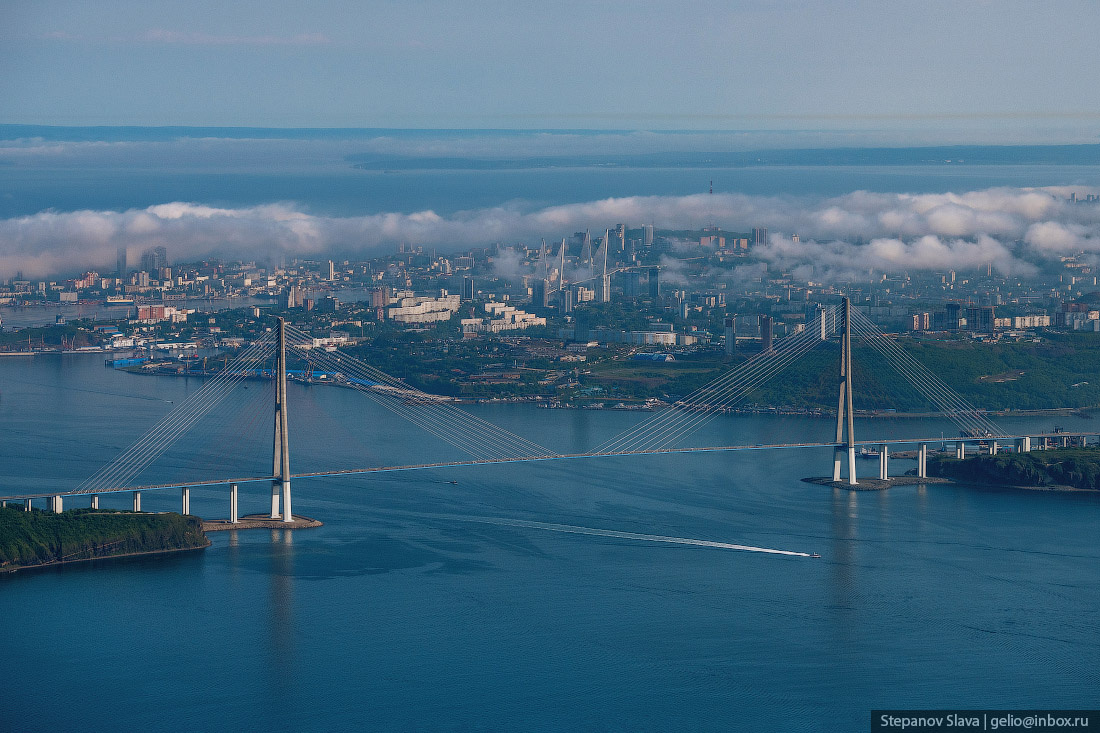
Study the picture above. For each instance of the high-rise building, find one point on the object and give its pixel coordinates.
(540, 293)
(980, 318)
(120, 263)
(380, 297)
(630, 283)
(655, 282)
(953, 316)
(765, 334)
(759, 236)
(331, 270)
(154, 258)
(647, 235)
(467, 288)
(291, 298)
(731, 335)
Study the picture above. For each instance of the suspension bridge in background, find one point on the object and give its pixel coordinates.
(484, 443)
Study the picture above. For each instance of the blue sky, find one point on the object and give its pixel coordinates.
(983, 66)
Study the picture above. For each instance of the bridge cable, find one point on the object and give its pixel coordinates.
(693, 411)
(758, 369)
(947, 400)
(454, 426)
(433, 413)
(172, 426)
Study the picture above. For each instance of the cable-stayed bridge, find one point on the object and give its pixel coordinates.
(481, 442)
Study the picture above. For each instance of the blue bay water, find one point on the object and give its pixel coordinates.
(344, 191)
(429, 605)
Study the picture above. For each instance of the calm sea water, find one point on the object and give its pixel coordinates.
(427, 605)
(345, 191)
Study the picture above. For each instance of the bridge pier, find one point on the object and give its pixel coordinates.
(1023, 445)
(288, 514)
(26, 505)
(992, 447)
(234, 517)
(56, 504)
(185, 495)
(137, 501)
(922, 460)
(94, 503)
(884, 462)
(960, 449)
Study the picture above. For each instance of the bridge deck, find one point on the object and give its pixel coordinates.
(525, 459)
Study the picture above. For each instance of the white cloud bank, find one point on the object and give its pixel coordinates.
(1013, 229)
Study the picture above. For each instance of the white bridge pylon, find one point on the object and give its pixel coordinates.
(280, 484)
(845, 430)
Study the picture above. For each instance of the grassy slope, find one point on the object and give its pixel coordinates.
(37, 537)
(1076, 467)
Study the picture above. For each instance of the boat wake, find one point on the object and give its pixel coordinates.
(574, 529)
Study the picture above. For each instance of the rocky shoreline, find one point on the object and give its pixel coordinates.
(57, 563)
(260, 521)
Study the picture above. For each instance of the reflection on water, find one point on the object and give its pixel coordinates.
(282, 632)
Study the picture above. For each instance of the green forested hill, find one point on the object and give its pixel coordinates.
(1063, 370)
(39, 537)
(1076, 467)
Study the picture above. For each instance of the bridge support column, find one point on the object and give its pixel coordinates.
(137, 501)
(1023, 445)
(56, 504)
(960, 449)
(844, 411)
(281, 450)
(992, 447)
(884, 462)
(185, 495)
(922, 460)
(26, 505)
(94, 503)
(233, 515)
(288, 513)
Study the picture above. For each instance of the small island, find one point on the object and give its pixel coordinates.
(40, 538)
(1065, 469)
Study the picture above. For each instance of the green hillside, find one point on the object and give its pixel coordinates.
(40, 537)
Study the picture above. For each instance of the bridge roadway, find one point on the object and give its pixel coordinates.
(559, 457)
